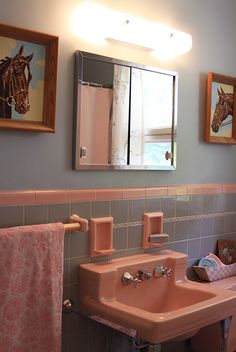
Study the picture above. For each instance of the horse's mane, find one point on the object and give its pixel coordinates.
(229, 97)
(6, 59)
(4, 62)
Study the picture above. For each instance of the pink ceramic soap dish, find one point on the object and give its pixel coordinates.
(101, 231)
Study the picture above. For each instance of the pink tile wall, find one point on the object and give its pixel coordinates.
(75, 195)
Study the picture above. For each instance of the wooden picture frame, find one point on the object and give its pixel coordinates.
(28, 78)
(221, 109)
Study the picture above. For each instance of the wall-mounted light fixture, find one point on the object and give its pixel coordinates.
(98, 23)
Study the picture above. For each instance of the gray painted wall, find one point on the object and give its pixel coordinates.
(43, 161)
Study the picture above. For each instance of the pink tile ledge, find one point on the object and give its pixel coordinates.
(17, 197)
(92, 194)
(51, 196)
(211, 189)
(177, 190)
(156, 192)
(204, 188)
(77, 195)
(229, 188)
(134, 193)
(108, 194)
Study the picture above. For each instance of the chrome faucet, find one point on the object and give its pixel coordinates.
(160, 271)
(144, 275)
(128, 279)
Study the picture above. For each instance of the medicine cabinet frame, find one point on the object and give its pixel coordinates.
(79, 152)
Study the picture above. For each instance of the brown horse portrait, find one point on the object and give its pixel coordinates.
(15, 77)
(223, 109)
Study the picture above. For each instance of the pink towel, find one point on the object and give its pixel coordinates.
(31, 282)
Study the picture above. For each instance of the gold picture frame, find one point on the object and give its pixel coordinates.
(220, 109)
(28, 77)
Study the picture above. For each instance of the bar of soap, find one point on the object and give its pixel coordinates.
(158, 238)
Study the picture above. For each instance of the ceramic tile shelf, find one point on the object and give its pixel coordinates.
(101, 232)
(153, 230)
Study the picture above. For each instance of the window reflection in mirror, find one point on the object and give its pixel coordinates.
(151, 117)
(125, 115)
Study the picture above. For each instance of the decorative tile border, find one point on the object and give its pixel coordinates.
(176, 219)
(78, 195)
(126, 224)
(197, 217)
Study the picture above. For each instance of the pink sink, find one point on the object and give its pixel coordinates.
(159, 309)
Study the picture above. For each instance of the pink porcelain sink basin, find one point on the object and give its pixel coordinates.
(158, 308)
(168, 299)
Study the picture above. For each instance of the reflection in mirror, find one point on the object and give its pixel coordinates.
(125, 115)
(151, 117)
(120, 115)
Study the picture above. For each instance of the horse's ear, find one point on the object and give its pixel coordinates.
(219, 92)
(29, 58)
(20, 51)
(222, 92)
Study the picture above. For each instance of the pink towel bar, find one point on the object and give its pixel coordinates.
(76, 224)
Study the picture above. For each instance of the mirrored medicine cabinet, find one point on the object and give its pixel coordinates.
(125, 115)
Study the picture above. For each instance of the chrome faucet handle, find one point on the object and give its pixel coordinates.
(144, 275)
(160, 271)
(128, 278)
(136, 280)
(167, 272)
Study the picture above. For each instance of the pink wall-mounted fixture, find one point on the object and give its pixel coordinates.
(74, 219)
(101, 236)
(153, 234)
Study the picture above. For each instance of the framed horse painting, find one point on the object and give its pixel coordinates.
(221, 109)
(28, 73)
